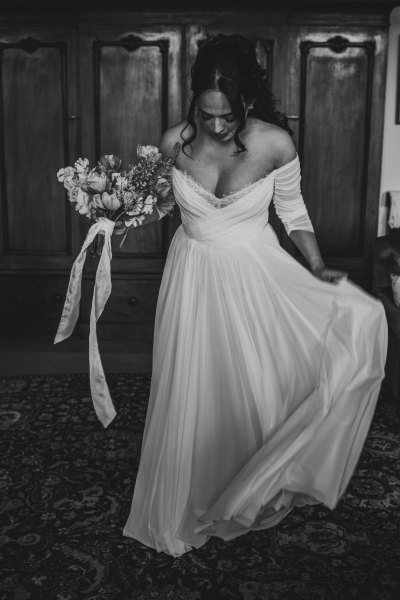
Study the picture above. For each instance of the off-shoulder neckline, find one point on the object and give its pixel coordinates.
(242, 189)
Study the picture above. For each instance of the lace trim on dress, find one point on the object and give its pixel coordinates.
(226, 199)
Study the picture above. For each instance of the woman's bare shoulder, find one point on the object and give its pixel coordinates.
(273, 143)
(171, 136)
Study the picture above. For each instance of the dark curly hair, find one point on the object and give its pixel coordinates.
(228, 64)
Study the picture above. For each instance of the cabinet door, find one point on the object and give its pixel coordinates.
(37, 98)
(336, 85)
(131, 92)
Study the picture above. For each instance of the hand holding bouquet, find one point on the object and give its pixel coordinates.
(108, 196)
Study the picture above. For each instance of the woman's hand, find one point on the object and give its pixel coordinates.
(318, 269)
(120, 228)
(307, 244)
(329, 275)
(96, 247)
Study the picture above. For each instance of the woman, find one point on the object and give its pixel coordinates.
(265, 375)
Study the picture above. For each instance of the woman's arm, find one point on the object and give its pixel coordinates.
(292, 211)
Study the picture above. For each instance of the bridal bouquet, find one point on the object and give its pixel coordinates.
(106, 194)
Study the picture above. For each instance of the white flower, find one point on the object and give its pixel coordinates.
(82, 202)
(150, 152)
(119, 182)
(68, 172)
(82, 165)
(135, 222)
(72, 194)
(148, 205)
(136, 209)
(130, 197)
(71, 185)
(96, 201)
(82, 169)
(83, 210)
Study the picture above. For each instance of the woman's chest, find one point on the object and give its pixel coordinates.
(222, 175)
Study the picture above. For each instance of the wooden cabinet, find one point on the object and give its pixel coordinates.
(102, 82)
(31, 303)
(38, 89)
(130, 308)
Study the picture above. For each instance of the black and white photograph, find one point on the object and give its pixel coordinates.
(200, 300)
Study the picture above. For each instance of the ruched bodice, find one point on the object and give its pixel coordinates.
(235, 223)
(241, 216)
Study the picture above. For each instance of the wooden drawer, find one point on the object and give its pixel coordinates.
(131, 301)
(30, 298)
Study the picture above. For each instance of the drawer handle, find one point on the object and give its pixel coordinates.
(57, 297)
(133, 301)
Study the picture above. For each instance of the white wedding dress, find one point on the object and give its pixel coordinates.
(265, 378)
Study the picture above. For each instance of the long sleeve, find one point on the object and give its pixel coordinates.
(288, 199)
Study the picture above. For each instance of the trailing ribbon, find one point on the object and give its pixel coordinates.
(102, 402)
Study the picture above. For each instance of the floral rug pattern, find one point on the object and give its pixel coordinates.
(66, 486)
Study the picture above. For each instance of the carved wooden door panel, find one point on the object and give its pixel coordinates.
(38, 233)
(131, 92)
(337, 89)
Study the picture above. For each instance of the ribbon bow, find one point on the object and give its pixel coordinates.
(102, 402)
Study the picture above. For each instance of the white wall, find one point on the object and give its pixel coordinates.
(390, 174)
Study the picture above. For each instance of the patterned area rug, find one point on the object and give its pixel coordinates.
(66, 488)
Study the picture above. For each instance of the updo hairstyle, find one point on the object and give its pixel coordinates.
(229, 64)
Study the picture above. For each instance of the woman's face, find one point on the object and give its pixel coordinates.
(215, 115)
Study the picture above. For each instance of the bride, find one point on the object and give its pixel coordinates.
(265, 374)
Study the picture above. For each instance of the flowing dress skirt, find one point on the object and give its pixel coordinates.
(264, 385)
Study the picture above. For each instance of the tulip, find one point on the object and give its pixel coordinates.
(111, 162)
(110, 201)
(162, 187)
(97, 183)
